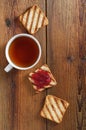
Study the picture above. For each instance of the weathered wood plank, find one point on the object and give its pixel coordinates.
(63, 56)
(19, 105)
(81, 119)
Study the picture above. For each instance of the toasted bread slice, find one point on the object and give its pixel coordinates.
(33, 19)
(54, 108)
(42, 78)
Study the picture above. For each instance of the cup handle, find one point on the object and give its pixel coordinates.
(8, 68)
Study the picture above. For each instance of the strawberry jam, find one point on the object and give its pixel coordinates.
(41, 78)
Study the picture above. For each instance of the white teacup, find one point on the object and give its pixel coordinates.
(11, 62)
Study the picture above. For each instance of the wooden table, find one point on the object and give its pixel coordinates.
(63, 44)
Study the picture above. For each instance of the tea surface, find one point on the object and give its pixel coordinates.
(23, 51)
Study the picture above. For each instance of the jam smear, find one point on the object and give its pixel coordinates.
(41, 78)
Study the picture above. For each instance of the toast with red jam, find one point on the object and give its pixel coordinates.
(42, 78)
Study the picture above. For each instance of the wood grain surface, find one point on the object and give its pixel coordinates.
(63, 44)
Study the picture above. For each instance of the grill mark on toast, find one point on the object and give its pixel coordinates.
(61, 103)
(56, 113)
(38, 19)
(64, 104)
(27, 19)
(53, 107)
(56, 116)
(34, 10)
(30, 26)
(58, 106)
(46, 113)
(35, 20)
(50, 113)
(24, 19)
(42, 21)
